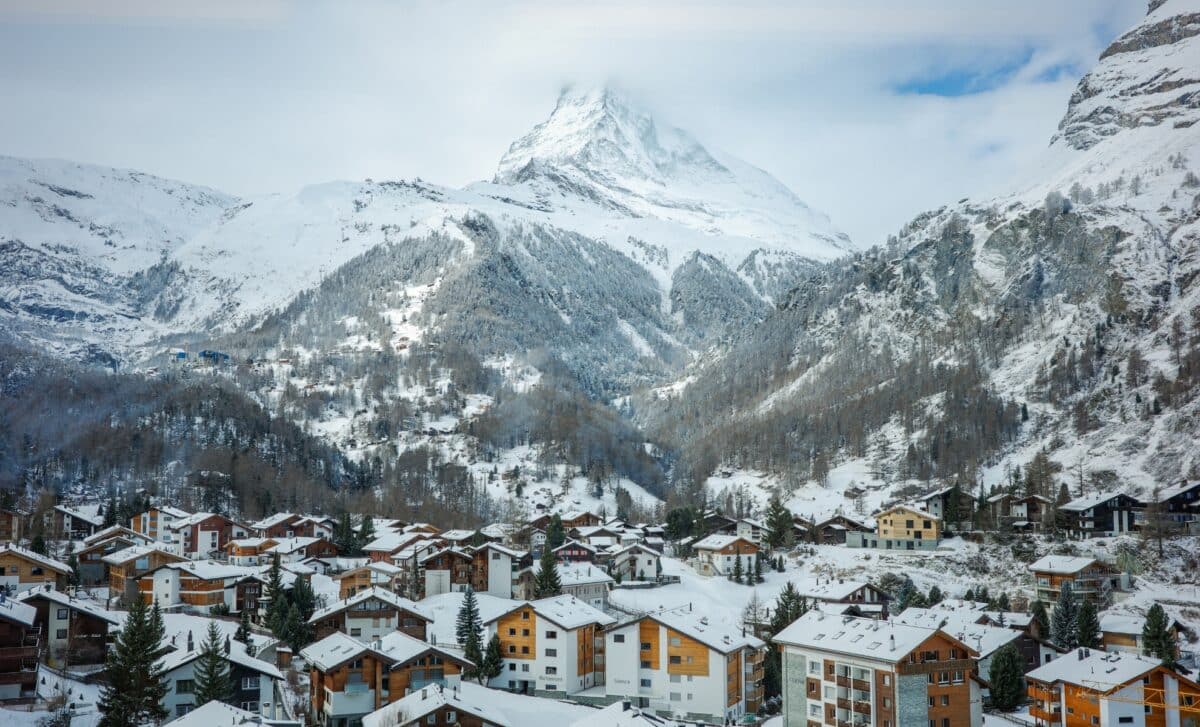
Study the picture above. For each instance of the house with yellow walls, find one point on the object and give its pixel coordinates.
(902, 527)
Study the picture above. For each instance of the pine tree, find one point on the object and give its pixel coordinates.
(366, 533)
(344, 536)
(493, 660)
(736, 576)
(243, 633)
(779, 524)
(1064, 629)
(212, 680)
(935, 595)
(758, 570)
(468, 625)
(136, 684)
(276, 599)
(1087, 626)
(303, 596)
(1006, 678)
(110, 511)
(1038, 610)
(295, 630)
(1156, 636)
(38, 544)
(1002, 603)
(546, 582)
(555, 535)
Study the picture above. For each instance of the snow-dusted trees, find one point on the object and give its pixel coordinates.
(1064, 620)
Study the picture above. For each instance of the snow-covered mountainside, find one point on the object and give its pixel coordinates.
(1063, 318)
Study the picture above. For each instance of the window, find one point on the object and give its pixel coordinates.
(431, 719)
(1125, 720)
(552, 670)
(887, 680)
(887, 702)
(945, 700)
(645, 646)
(909, 525)
(645, 683)
(646, 665)
(926, 524)
(512, 649)
(551, 634)
(524, 632)
(184, 686)
(495, 555)
(182, 709)
(524, 649)
(250, 682)
(60, 634)
(250, 706)
(356, 632)
(512, 667)
(676, 660)
(525, 615)
(618, 638)
(945, 722)
(451, 717)
(676, 696)
(675, 641)
(62, 613)
(931, 701)
(675, 679)
(356, 664)
(958, 676)
(525, 668)
(551, 652)
(549, 687)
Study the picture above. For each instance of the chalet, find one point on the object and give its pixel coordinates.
(1110, 689)
(494, 567)
(678, 662)
(957, 615)
(838, 595)
(598, 536)
(75, 630)
(902, 527)
(834, 530)
(550, 646)
(114, 531)
(574, 551)
(11, 526)
(255, 682)
(197, 584)
(464, 705)
(984, 639)
(349, 678)
(128, 565)
(1123, 632)
(636, 562)
(280, 525)
(372, 613)
(589, 583)
(839, 669)
(219, 713)
(387, 545)
(20, 645)
(76, 523)
(714, 522)
(426, 528)
(1182, 506)
(462, 539)
(949, 504)
(1101, 515)
(249, 551)
(299, 548)
(751, 530)
(203, 534)
(374, 574)
(720, 555)
(21, 568)
(153, 523)
(314, 526)
(446, 570)
(93, 571)
(570, 519)
(1029, 512)
(1089, 578)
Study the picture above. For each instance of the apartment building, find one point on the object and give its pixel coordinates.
(1089, 578)
(494, 567)
(1123, 632)
(463, 705)
(249, 551)
(371, 614)
(301, 548)
(349, 678)
(127, 566)
(635, 562)
(1103, 514)
(552, 646)
(92, 569)
(200, 584)
(254, 681)
(679, 663)
(374, 574)
(903, 527)
(1087, 688)
(75, 630)
(153, 523)
(202, 534)
(280, 525)
(846, 670)
(585, 581)
(838, 595)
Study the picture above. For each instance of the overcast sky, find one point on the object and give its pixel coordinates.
(871, 110)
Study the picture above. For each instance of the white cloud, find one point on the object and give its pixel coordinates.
(306, 92)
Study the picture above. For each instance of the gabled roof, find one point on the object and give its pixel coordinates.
(171, 510)
(1089, 501)
(291, 545)
(273, 520)
(87, 606)
(514, 554)
(575, 544)
(717, 541)
(1096, 670)
(1061, 564)
(250, 542)
(390, 542)
(333, 650)
(621, 550)
(401, 648)
(211, 570)
(839, 516)
(907, 508)
(113, 531)
(216, 714)
(195, 519)
(42, 560)
(17, 611)
(723, 637)
(938, 493)
(866, 637)
(567, 612)
(136, 551)
(622, 714)
(172, 660)
(414, 707)
(828, 589)
(87, 513)
(450, 550)
(578, 574)
(457, 535)
(367, 594)
(961, 625)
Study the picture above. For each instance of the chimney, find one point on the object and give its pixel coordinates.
(226, 643)
(189, 641)
(625, 705)
(892, 642)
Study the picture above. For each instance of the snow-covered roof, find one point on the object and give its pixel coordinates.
(884, 640)
(717, 541)
(724, 637)
(87, 513)
(82, 605)
(1087, 502)
(569, 612)
(515, 554)
(938, 493)
(113, 531)
(171, 510)
(828, 589)
(400, 648)
(42, 560)
(578, 574)
(1174, 490)
(455, 536)
(367, 594)
(444, 609)
(212, 570)
(1063, 564)
(17, 611)
(622, 549)
(450, 550)
(961, 625)
(1099, 670)
(391, 541)
(919, 512)
(134, 552)
(273, 520)
(216, 714)
(291, 545)
(1122, 623)
(249, 542)
(414, 707)
(332, 650)
(623, 714)
(576, 544)
(172, 660)
(496, 530)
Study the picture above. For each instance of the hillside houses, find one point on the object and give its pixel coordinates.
(903, 527)
(724, 555)
(21, 568)
(372, 613)
(1103, 514)
(1089, 578)
(75, 630)
(255, 682)
(21, 642)
(128, 565)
